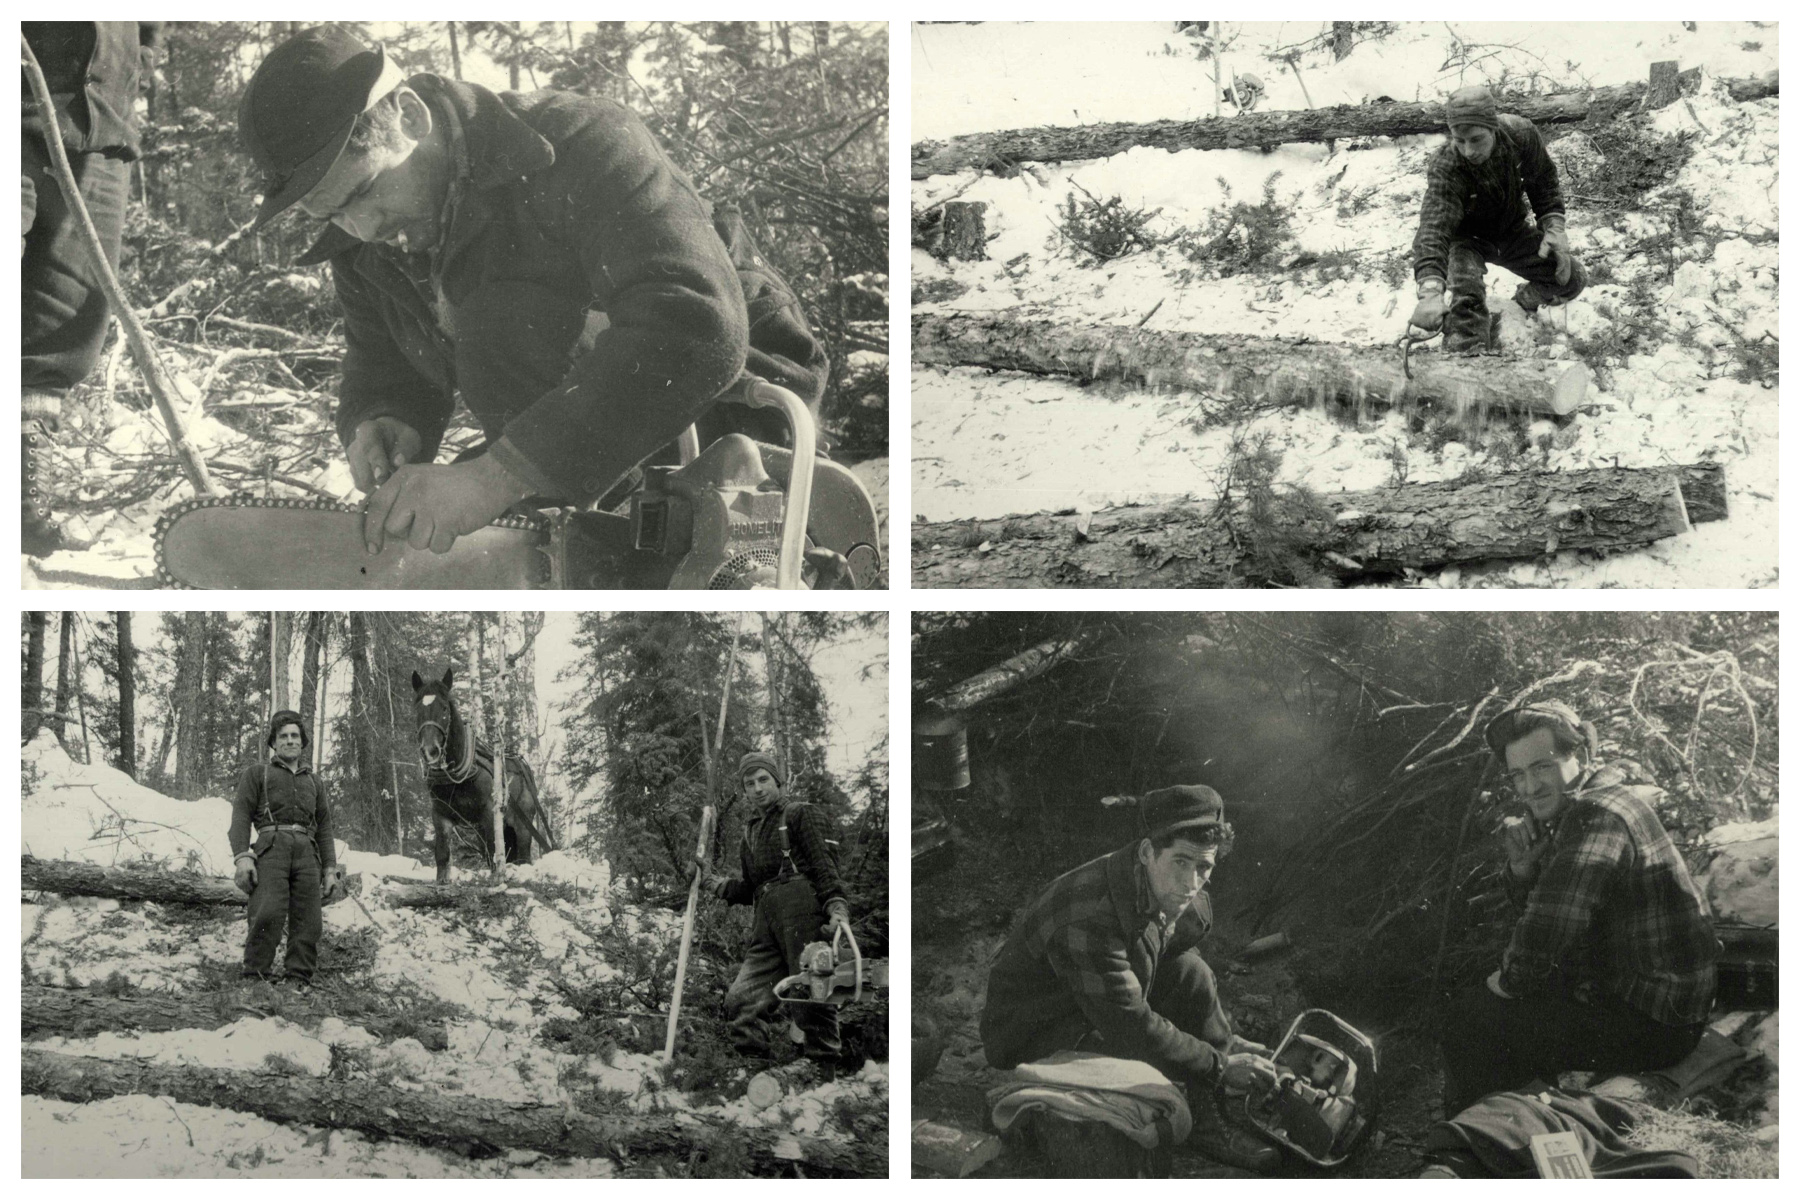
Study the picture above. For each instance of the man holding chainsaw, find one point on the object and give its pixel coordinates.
(291, 870)
(1611, 963)
(1491, 196)
(1107, 959)
(537, 255)
(788, 874)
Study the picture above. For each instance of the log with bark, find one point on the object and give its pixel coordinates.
(1002, 150)
(1324, 540)
(128, 883)
(434, 1118)
(79, 1012)
(1274, 371)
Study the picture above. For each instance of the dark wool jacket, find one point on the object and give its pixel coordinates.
(93, 68)
(583, 302)
(1612, 906)
(1486, 200)
(1089, 947)
(275, 794)
(760, 857)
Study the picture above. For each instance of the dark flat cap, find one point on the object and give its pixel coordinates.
(1185, 806)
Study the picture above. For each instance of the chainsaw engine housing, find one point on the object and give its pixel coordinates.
(1322, 1103)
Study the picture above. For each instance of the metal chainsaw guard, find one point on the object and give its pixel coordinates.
(843, 516)
(1292, 1116)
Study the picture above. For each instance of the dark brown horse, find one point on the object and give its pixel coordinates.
(459, 770)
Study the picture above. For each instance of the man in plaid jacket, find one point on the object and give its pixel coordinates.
(1107, 959)
(1611, 964)
(1491, 196)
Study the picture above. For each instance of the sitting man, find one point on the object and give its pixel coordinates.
(1475, 213)
(1610, 967)
(1107, 960)
(788, 875)
(291, 870)
(538, 255)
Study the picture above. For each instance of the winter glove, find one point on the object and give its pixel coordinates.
(334, 884)
(837, 913)
(1556, 242)
(246, 874)
(1247, 1072)
(1429, 314)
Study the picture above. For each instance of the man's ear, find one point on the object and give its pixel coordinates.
(415, 114)
(1146, 851)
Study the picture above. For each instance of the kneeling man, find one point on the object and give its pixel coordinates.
(1611, 964)
(1107, 960)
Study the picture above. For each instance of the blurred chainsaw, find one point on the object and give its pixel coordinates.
(827, 977)
(738, 515)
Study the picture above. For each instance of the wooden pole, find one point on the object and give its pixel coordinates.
(687, 926)
(500, 797)
(155, 378)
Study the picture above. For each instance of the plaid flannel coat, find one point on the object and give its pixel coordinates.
(1087, 950)
(1613, 907)
(1486, 200)
(760, 854)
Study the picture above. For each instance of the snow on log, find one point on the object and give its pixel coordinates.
(433, 1118)
(128, 883)
(1272, 370)
(1050, 144)
(1021, 668)
(1353, 534)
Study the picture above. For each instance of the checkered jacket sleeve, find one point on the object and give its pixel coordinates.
(1091, 961)
(1542, 184)
(1439, 215)
(812, 852)
(1560, 910)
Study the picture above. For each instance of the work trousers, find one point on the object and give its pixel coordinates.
(288, 895)
(64, 309)
(1185, 991)
(1496, 1045)
(1466, 326)
(787, 918)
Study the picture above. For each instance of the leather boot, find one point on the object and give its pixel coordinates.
(39, 535)
(1224, 1142)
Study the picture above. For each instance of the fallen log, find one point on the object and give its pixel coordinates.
(433, 1118)
(1343, 538)
(1002, 150)
(1275, 371)
(79, 1012)
(128, 883)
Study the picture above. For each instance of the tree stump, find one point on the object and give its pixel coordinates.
(1340, 39)
(1665, 86)
(965, 230)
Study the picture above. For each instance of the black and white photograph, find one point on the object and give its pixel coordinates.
(1370, 895)
(455, 304)
(1440, 303)
(488, 895)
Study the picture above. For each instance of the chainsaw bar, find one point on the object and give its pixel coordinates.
(248, 542)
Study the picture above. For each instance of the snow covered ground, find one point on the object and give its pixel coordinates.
(501, 978)
(986, 444)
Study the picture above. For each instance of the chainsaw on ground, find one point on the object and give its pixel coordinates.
(1322, 1104)
(738, 515)
(827, 977)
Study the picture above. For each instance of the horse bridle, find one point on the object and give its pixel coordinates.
(463, 771)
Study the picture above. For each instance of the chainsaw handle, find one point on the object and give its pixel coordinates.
(798, 509)
(856, 953)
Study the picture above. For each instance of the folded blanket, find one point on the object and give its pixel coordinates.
(1132, 1097)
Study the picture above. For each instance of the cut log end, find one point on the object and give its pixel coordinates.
(1570, 391)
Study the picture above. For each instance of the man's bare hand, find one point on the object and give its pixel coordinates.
(1525, 844)
(380, 448)
(431, 506)
(1247, 1072)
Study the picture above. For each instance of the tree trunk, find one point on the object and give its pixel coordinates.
(965, 230)
(31, 691)
(1341, 33)
(455, 53)
(1001, 150)
(127, 696)
(127, 883)
(362, 759)
(500, 780)
(432, 1118)
(65, 669)
(1264, 370)
(320, 740)
(1355, 535)
(1664, 87)
(309, 672)
(190, 700)
(281, 639)
(1022, 667)
(78, 1012)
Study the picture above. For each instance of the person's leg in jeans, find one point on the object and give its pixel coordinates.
(1466, 324)
(1519, 254)
(306, 911)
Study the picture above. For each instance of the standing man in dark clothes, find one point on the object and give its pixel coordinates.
(1107, 959)
(292, 868)
(537, 255)
(1482, 192)
(788, 874)
(1611, 964)
(92, 68)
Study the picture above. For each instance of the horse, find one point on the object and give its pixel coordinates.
(459, 770)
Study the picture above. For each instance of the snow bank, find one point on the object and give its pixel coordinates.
(1743, 879)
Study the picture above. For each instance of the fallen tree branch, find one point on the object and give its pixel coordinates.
(1271, 371)
(433, 1118)
(1382, 532)
(127, 883)
(1001, 151)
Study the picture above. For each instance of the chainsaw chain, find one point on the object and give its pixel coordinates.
(176, 512)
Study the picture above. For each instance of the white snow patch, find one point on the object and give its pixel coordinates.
(244, 1045)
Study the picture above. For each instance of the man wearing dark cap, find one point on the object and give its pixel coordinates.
(92, 69)
(788, 873)
(1610, 966)
(291, 868)
(537, 255)
(1107, 959)
(1491, 196)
